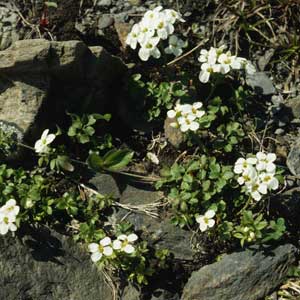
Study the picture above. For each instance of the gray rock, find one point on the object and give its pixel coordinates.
(104, 3)
(131, 293)
(105, 21)
(265, 59)
(9, 32)
(46, 265)
(287, 205)
(293, 159)
(279, 131)
(158, 232)
(294, 105)
(245, 275)
(43, 79)
(261, 83)
(173, 135)
(161, 294)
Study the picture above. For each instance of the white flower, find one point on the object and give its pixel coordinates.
(195, 110)
(207, 220)
(151, 16)
(163, 28)
(269, 180)
(174, 112)
(132, 38)
(153, 158)
(172, 16)
(7, 223)
(188, 123)
(10, 208)
(124, 243)
(41, 145)
(209, 56)
(249, 176)
(175, 46)
(243, 164)
(103, 248)
(228, 62)
(146, 32)
(265, 162)
(206, 70)
(256, 190)
(149, 49)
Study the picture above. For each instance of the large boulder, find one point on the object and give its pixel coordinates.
(41, 80)
(246, 275)
(44, 265)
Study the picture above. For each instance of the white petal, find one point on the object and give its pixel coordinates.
(3, 228)
(117, 245)
(107, 251)
(50, 138)
(184, 127)
(96, 256)
(12, 227)
(256, 195)
(251, 160)
(128, 249)
(144, 54)
(11, 202)
(132, 237)
(274, 184)
(200, 219)
(263, 189)
(44, 134)
(155, 53)
(93, 247)
(270, 167)
(197, 105)
(204, 76)
(106, 241)
(171, 114)
(194, 126)
(261, 156)
(122, 237)
(203, 226)
(210, 214)
(211, 223)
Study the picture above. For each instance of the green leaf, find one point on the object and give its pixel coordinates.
(95, 162)
(83, 139)
(115, 160)
(51, 4)
(64, 162)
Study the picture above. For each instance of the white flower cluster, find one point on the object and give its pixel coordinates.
(215, 60)
(206, 221)
(8, 214)
(156, 25)
(257, 174)
(41, 145)
(187, 116)
(106, 247)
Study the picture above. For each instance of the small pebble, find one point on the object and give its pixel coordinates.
(279, 131)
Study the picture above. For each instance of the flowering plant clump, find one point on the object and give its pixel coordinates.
(106, 247)
(8, 214)
(156, 25)
(215, 60)
(257, 174)
(186, 116)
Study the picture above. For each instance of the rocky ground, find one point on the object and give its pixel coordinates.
(53, 58)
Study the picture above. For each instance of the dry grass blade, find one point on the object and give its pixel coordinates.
(149, 209)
